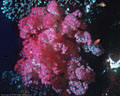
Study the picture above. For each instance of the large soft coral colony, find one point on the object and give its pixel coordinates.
(51, 53)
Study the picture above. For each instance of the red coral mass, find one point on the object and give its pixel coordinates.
(49, 44)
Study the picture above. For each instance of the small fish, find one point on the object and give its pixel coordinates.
(96, 42)
(102, 4)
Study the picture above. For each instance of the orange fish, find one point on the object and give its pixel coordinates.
(96, 42)
(102, 4)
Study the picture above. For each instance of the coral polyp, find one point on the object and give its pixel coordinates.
(52, 43)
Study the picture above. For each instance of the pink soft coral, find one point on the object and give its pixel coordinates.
(51, 49)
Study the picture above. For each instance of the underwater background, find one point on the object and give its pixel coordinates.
(103, 22)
